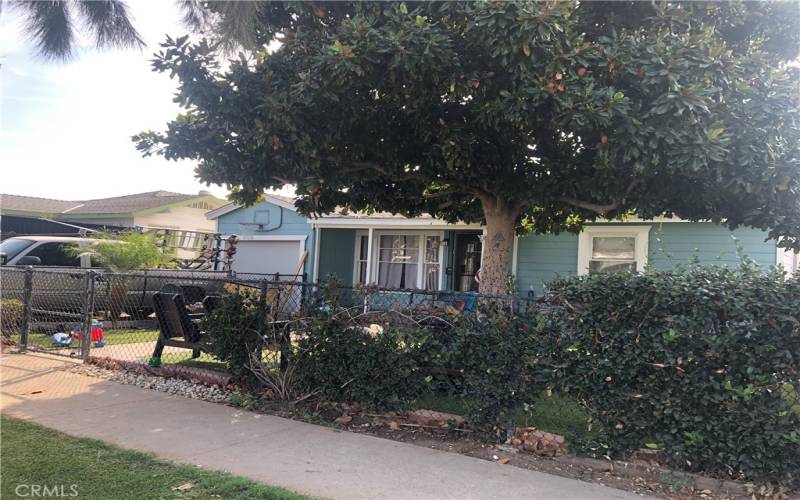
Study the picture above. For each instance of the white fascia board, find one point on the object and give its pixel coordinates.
(231, 207)
(224, 209)
(349, 222)
(637, 220)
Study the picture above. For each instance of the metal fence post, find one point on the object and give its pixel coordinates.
(277, 310)
(88, 312)
(27, 306)
(262, 316)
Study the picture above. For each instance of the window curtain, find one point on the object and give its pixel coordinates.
(398, 261)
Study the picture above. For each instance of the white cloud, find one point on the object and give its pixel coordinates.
(65, 128)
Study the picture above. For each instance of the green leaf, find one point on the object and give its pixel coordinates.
(715, 133)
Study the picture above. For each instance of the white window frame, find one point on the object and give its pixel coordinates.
(356, 254)
(641, 235)
(372, 263)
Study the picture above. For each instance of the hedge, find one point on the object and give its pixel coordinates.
(701, 363)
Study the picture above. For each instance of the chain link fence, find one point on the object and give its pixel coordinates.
(155, 316)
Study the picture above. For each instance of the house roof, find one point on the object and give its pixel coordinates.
(341, 215)
(32, 204)
(286, 202)
(115, 205)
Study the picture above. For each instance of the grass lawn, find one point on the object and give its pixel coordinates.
(32, 454)
(113, 337)
(208, 361)
(205, 361)
(556, 414)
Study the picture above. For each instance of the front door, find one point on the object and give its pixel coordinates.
(467, 262)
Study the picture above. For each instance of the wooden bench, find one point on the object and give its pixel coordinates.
(176, 327)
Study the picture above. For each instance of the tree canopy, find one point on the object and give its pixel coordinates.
(523, 115)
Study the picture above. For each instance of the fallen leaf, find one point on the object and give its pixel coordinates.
(394, 425)
(343, 419)
(503, 461)
(183, 487)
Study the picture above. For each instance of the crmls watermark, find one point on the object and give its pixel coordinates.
(46, 490)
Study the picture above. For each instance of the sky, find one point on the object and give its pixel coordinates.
(65, 128)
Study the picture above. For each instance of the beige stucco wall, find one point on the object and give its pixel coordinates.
(186, 218)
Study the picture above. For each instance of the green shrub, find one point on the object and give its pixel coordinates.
(341, 360)
(489, 363)
(231, 332)
(696, 362)
(498, 357)
(10, 316)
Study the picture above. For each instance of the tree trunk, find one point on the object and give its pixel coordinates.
(498, 245)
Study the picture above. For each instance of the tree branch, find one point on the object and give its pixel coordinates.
(602, 209)
(351, 166)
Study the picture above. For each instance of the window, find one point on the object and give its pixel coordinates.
(604, 249)
(190, 240)
(11, 247)
(55, 254)
(362, 247)
(430, 274)
(400, 260)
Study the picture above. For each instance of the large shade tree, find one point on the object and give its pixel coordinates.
(525, 116)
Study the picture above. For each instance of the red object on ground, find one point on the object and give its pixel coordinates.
(97, 334)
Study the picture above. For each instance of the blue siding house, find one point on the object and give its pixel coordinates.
(426, 253)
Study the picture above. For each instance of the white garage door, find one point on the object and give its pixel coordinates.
(269, 257)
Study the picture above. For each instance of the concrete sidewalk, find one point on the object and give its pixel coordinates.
(311, 459)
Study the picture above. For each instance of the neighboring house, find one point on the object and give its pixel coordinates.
(426, 253)
(182, 213)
